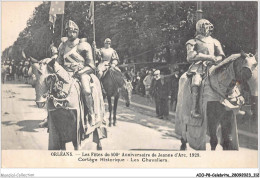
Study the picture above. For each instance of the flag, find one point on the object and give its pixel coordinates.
(91, 12)
(57, 7)
(52, 19)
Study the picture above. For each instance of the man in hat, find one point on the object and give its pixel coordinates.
(202, 52)
(108, 57)
(160, 90)
(75, 55)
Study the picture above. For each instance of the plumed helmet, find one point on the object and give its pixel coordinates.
(107, 40)
(70, 25)
(204, 27)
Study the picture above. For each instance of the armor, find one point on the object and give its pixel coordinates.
(77, 59)
(107, 54)
(108, 57)
(202, 52)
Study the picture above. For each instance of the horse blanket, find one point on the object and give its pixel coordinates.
(65, 123)
(194, 130)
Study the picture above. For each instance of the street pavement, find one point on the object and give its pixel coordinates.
(137, 128)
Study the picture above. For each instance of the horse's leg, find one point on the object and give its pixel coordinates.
(75, 145)
(115, 108)
(226, 128)
(183, 144)
(109, 109)
(99, 145)
(213, 113)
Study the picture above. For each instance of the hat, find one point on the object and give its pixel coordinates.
(70, 25)
(156, 72)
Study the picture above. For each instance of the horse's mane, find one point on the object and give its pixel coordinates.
(118, 77)
(224, 63)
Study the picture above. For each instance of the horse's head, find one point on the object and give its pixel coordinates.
(43, 78)
(126, 92)
(244, 66)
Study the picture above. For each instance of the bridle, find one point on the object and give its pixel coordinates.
(57, 102)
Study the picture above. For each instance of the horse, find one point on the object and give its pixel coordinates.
(214, 105)
(114, 84)
(66, 114)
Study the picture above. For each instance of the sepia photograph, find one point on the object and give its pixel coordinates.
(129, 84)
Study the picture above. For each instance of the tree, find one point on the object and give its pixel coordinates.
(139, 29)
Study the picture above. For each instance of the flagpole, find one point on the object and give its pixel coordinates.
(62, 19)
(94, 32)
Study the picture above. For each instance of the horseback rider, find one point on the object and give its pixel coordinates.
(108, 58)
(75, 55)
(203, 51)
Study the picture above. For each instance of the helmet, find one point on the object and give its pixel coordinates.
(70, 25)
(107, 40)
(204, 27)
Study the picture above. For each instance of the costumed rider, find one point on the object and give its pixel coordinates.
(75, 55)
(108, 56)
(203, 51)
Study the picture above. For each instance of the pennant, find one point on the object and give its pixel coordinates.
(57, 7)
(52, 19)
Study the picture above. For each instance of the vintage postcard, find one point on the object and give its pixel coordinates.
(129, 84)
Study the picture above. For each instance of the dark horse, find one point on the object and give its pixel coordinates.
(115, 83)
(66, 118)
(215, 105)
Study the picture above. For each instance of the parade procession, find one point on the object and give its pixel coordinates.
(128, 75)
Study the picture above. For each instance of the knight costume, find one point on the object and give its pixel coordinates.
(75, 55)
(108, 58)
(202, 52)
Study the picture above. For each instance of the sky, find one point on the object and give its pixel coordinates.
(14, 18)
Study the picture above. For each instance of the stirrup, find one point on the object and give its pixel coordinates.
(195, 115)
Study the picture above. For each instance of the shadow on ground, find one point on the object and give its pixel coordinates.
(28, 125)
(8, 123)
(165, 127)
(25, 86)
(26, 99)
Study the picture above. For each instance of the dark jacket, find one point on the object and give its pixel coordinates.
(160, 88)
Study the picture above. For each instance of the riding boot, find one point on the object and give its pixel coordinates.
(90, 106)
(195, 102)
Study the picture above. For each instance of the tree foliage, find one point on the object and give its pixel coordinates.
(138, 30)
